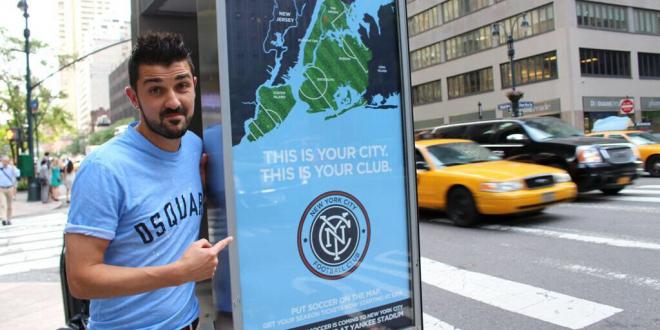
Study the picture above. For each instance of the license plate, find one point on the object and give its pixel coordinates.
(623, 180)
(548, 197)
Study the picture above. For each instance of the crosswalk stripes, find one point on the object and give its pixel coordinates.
(545, 305)
(638, 199)
(562, 233)
(646, 191)
(640, 194)
(649, 186)
(607, 274)
(647, 194)
(33, 243)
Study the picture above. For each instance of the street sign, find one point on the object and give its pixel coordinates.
(34, 105)
(522, 105)
(627, 106)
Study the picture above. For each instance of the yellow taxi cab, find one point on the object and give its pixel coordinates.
(647, 144)
(467, 181)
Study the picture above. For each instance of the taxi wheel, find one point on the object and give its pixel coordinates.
(612, 191)
(653, 166)
(461, 208)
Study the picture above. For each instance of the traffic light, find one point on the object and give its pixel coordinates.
(13, 134)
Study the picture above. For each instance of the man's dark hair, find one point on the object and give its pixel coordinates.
(162, 48)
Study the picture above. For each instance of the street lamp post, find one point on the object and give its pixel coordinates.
(511, 52)
(480, 110)
(33, 186)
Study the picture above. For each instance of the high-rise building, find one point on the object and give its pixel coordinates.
(85, 26)
(574, 59)
(120, 107)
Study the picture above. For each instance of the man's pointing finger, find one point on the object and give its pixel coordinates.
(221, 245)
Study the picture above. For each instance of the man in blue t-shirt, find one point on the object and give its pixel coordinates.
(131, 237)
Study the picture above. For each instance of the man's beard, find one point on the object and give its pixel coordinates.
(160, 126)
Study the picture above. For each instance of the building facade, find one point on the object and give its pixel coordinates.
(120, 106)
(574, 59)
(83, 27)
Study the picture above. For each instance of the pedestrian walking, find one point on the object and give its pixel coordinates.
(137, 202)
(55, 179)
(8, 177)
(44, 180)
(68, 174)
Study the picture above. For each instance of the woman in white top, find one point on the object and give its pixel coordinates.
(68, 174)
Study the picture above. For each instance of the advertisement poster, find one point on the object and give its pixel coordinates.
(316, 157)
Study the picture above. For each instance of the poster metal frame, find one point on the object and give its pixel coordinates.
(409, 166)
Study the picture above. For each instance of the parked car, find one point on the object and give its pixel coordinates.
(647, 144)
(467, 181)
(593, 163)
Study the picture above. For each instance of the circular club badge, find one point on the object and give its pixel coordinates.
(333, 235)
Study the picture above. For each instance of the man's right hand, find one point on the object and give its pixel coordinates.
(200, 260)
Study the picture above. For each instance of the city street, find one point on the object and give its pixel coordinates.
(591, 264)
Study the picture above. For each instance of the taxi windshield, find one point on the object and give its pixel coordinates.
(642, 138)
(544, 128)
(459, 153)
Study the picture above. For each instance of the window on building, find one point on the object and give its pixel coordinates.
(468, 43)
(427, 93)
(600, 62)
(649, 65)
(531, 69)
(475, 82)
(602, 16)
(423, 21)
(540, 19)
(426, 56)
(647, 21)
(454, 9)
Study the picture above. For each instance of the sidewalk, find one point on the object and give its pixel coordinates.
(26, 303)
(23, 208)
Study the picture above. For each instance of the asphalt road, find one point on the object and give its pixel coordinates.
(592, 264)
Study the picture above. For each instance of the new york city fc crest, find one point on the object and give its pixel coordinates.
(333, 235)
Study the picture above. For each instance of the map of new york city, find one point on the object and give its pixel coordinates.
(335, 61)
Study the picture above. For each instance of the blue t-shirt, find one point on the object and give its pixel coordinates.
(148, 203)
(8, 176)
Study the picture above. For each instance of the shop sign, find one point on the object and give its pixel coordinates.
(650, 104)
(597, 104)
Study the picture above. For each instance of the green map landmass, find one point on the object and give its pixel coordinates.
(274, 104)
(332, 60)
